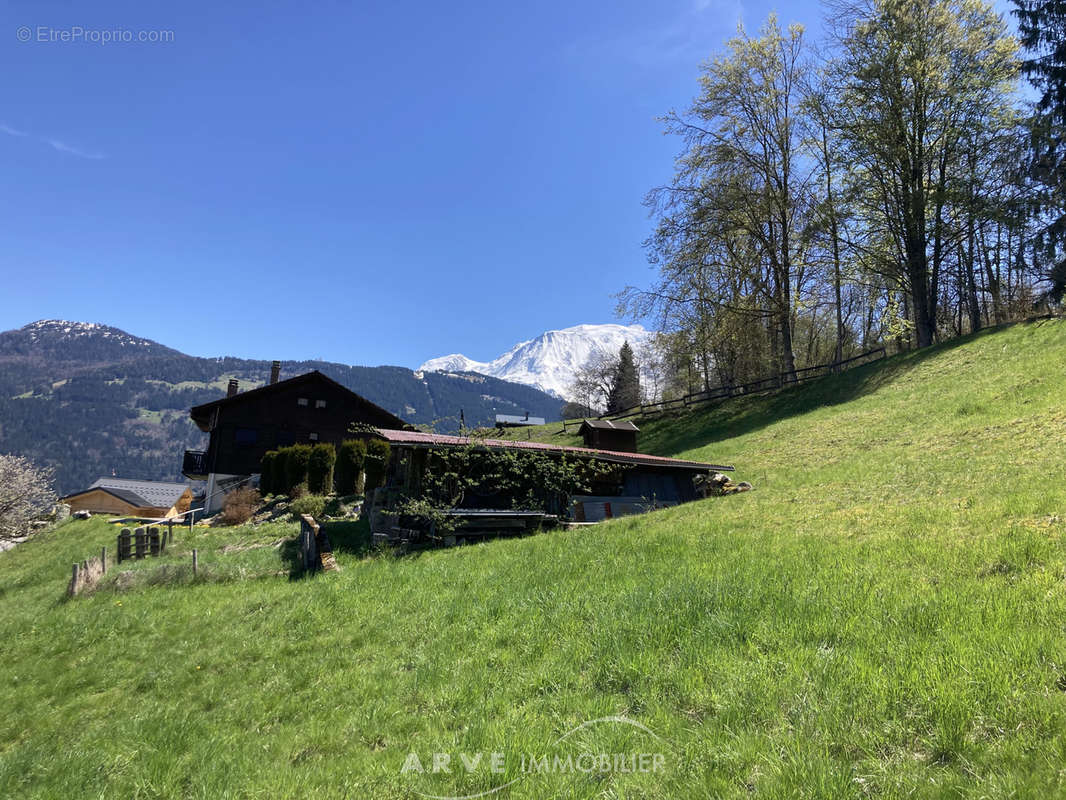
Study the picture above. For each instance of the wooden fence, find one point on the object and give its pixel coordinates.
(87, 574)
(753, 388)
(142, 542)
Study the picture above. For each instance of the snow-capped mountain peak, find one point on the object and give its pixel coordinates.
(76, 341)
(60, 329)
(550, 361)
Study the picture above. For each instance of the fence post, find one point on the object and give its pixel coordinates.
(74, 580)
(123, 545)
(153, 541)
(170, 531)
(140, 542)
(194, 562)
(103, 560)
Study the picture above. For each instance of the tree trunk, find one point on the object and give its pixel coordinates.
(971, 243)
(923, 307)
(993, 275)
(838, 353)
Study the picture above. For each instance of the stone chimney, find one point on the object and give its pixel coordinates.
(232, 389)
(275, 371)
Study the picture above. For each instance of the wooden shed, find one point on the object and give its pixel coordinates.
(125, 497)
(607, 434)
(635, 483)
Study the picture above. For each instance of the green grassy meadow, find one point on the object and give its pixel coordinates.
(883, 617)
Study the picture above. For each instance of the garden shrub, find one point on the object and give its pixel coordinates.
(239, 505)
(310, 504)
(349, 467)
(278, 478)
(296, 460)
(267, 478)
(377, 459)
(320, 468)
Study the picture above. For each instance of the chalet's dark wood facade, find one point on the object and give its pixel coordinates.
(606, 434)
(307, 409)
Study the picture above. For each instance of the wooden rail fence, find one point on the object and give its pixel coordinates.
(142, 542)
(753, 388)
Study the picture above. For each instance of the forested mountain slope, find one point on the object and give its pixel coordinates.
(92, 400)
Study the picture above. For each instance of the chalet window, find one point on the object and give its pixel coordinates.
(320, 403)
(301, 401)
(246, 437)
(313, 437)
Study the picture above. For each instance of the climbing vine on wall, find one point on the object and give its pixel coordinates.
(510, 478)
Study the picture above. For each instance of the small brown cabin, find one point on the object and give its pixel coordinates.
(606, 434)
(125, 497)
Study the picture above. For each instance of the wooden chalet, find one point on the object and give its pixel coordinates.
(609, 434)
(243, 426)
(132, 498)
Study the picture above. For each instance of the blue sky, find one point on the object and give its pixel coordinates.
(367, 183)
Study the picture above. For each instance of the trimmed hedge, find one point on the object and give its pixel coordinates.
(320, 468)
(268, 479)
(297, 458)
(377, 459)
(349, 467)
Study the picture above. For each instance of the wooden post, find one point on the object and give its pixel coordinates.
(170, 531)
(74, 581)
(194, 562)
(192, 517)
(103, 560)
(140, 543)
(153, 541)
(124, 545)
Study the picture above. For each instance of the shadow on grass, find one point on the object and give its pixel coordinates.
(349, 537)
(352, 538)
(742, 415)
(291, 558)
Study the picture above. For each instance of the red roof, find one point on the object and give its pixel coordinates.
(420, 439)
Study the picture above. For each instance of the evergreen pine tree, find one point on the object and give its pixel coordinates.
(1042, 30)
(625, 388)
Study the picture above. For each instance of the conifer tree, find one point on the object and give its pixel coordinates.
(625, 389)
(1042, 30)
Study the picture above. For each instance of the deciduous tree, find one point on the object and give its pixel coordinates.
(25, 493)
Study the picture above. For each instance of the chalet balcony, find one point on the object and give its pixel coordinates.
(194, 465)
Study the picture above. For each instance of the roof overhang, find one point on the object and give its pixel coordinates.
(609, 425)
(428, 441)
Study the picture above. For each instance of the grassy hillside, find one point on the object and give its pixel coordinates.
(882, 617)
